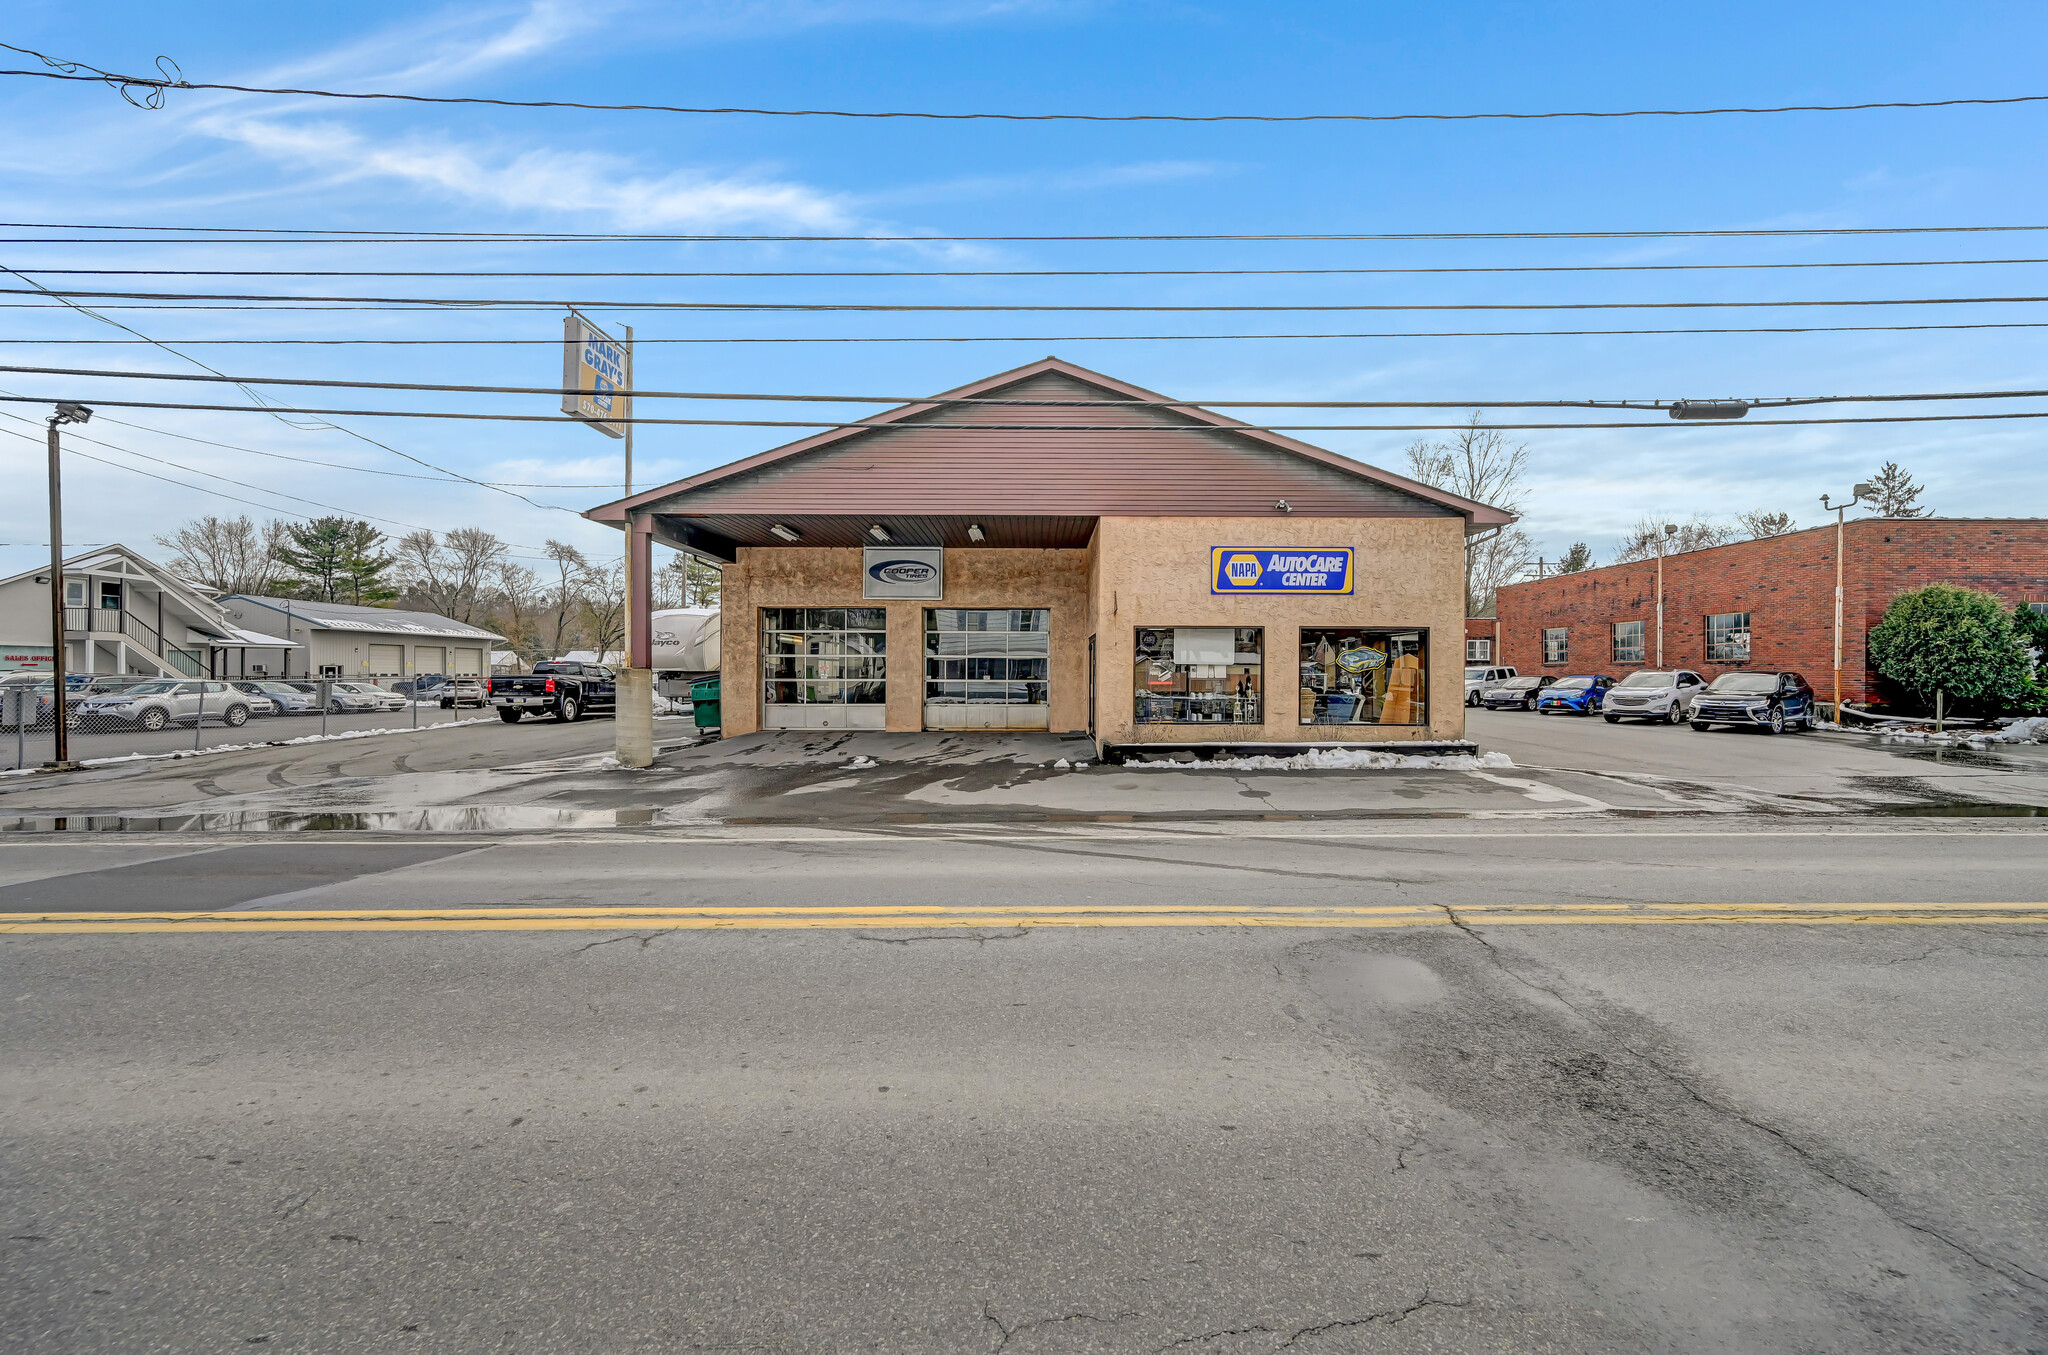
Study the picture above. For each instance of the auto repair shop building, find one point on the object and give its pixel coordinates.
(1096, 557)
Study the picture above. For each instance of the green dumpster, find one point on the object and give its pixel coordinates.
(704, 702)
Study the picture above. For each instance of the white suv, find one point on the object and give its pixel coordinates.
(1479, 679)
(1653, 695)
(152, 705)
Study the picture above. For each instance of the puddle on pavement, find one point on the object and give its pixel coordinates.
(438, 819)
(1963, 811)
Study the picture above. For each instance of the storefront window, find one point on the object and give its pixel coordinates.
(1200, 675)
(819, 656)
(1364, 677)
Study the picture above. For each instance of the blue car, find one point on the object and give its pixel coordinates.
(1583, 694)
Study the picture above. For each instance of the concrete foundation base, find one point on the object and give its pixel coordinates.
(635, 718)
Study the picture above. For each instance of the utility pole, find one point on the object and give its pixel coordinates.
(1669, 531)
(1861, 491)
(60, 711)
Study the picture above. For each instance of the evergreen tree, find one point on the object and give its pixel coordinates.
(1577, 559)
(334, 559)
(1897, 496)
(1957, 641)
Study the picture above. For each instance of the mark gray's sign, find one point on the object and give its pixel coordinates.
(594, 368)
(903, 572)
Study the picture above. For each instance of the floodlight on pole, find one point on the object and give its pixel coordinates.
(1860, 492)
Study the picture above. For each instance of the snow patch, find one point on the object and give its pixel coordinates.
(1348, 760)
(861, 763)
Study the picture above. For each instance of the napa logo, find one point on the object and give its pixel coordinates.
(902, 571)
(1238, 569)
(1242, 570)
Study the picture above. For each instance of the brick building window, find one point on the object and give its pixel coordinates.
(1628, 642)
(1479, 651)
(1556, 645)
(1728, 638)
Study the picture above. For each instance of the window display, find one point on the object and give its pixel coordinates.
(1200, 675)
(1364, 677)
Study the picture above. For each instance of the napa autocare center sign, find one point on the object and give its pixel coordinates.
(1251, 569)
(595, 367)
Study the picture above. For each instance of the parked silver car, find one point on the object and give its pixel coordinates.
(284, 698)
(152, 705)
(464, 691)
(378, 698)
(1652, 695)
(339, 702)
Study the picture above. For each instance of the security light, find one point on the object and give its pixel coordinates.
(786, 533)
(1670, 529)
(1282, 506)
(1864, 492)
(880, 533)
(70, 413)
(974, 532)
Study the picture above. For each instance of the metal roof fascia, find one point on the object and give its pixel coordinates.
(1478, 516)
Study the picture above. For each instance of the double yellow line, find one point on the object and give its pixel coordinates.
(923, 917)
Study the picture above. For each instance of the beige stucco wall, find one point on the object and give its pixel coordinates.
(1155, 572)
(805, 576)
(1151, 572)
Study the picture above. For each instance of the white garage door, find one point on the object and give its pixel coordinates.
(987, 669)
(429, 659)
(468, 662)
(387, 661)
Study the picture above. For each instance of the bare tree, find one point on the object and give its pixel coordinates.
(686, 581)
(448, 574)
(565, 592)
(1479, 463)
(1897, 496)
(1761, 522)
(604, 607)
(1697, 533)
(517, 606)
(233, 555)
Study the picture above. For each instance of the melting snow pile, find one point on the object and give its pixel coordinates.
(1348, 760)
(2033, 729)
(861, 763)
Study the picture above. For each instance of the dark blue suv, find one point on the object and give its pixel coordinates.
(1771, 701)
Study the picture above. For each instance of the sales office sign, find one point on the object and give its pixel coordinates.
(903, 572)
(1244, 569)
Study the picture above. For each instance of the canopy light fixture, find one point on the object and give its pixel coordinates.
(880, 533)
(786, 533)
(1709, 409)
(974, 532)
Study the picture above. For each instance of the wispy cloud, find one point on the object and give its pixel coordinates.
(1087, 179)
(541, 180)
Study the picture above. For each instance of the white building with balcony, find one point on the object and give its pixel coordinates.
(125, 614)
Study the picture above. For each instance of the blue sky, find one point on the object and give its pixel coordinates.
(76, 153)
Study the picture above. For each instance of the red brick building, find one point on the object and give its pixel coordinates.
(1482, 640)
(1763, 604)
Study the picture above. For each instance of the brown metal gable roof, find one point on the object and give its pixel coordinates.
(1177, 461)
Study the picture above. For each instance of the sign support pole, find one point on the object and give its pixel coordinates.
(633, 712)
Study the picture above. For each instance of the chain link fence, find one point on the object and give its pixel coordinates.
(124, 718)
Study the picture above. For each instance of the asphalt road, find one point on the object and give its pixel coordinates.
(1806, 1133)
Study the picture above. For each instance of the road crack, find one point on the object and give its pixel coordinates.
(1386, 1317)
(1005, 1332)
(978, 937)
(2008, 1270)
(645, 939)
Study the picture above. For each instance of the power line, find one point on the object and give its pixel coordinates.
(1005, 401)
(1020, 428)
(315, 235)
(481, 304)
(153, 88)
(1063, 338)
(257, 399)
(1007, 272)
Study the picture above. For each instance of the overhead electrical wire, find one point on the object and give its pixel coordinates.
(259, 402)
(482, 304)
(1014, 428)
(243, 235)
(1005, 401)
(1054, 338)
(153, 87)
(1006, 272)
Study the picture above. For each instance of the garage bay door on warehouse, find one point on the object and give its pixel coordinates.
(466, 662)
(387, 661)
(823, 667)
(429, 659)
(986, 669)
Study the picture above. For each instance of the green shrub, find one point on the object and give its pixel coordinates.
(1957, 641)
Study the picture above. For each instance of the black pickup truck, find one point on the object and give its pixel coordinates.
(568, 691)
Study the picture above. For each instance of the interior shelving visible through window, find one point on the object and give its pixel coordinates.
(1369, 677)
(1199, 675)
